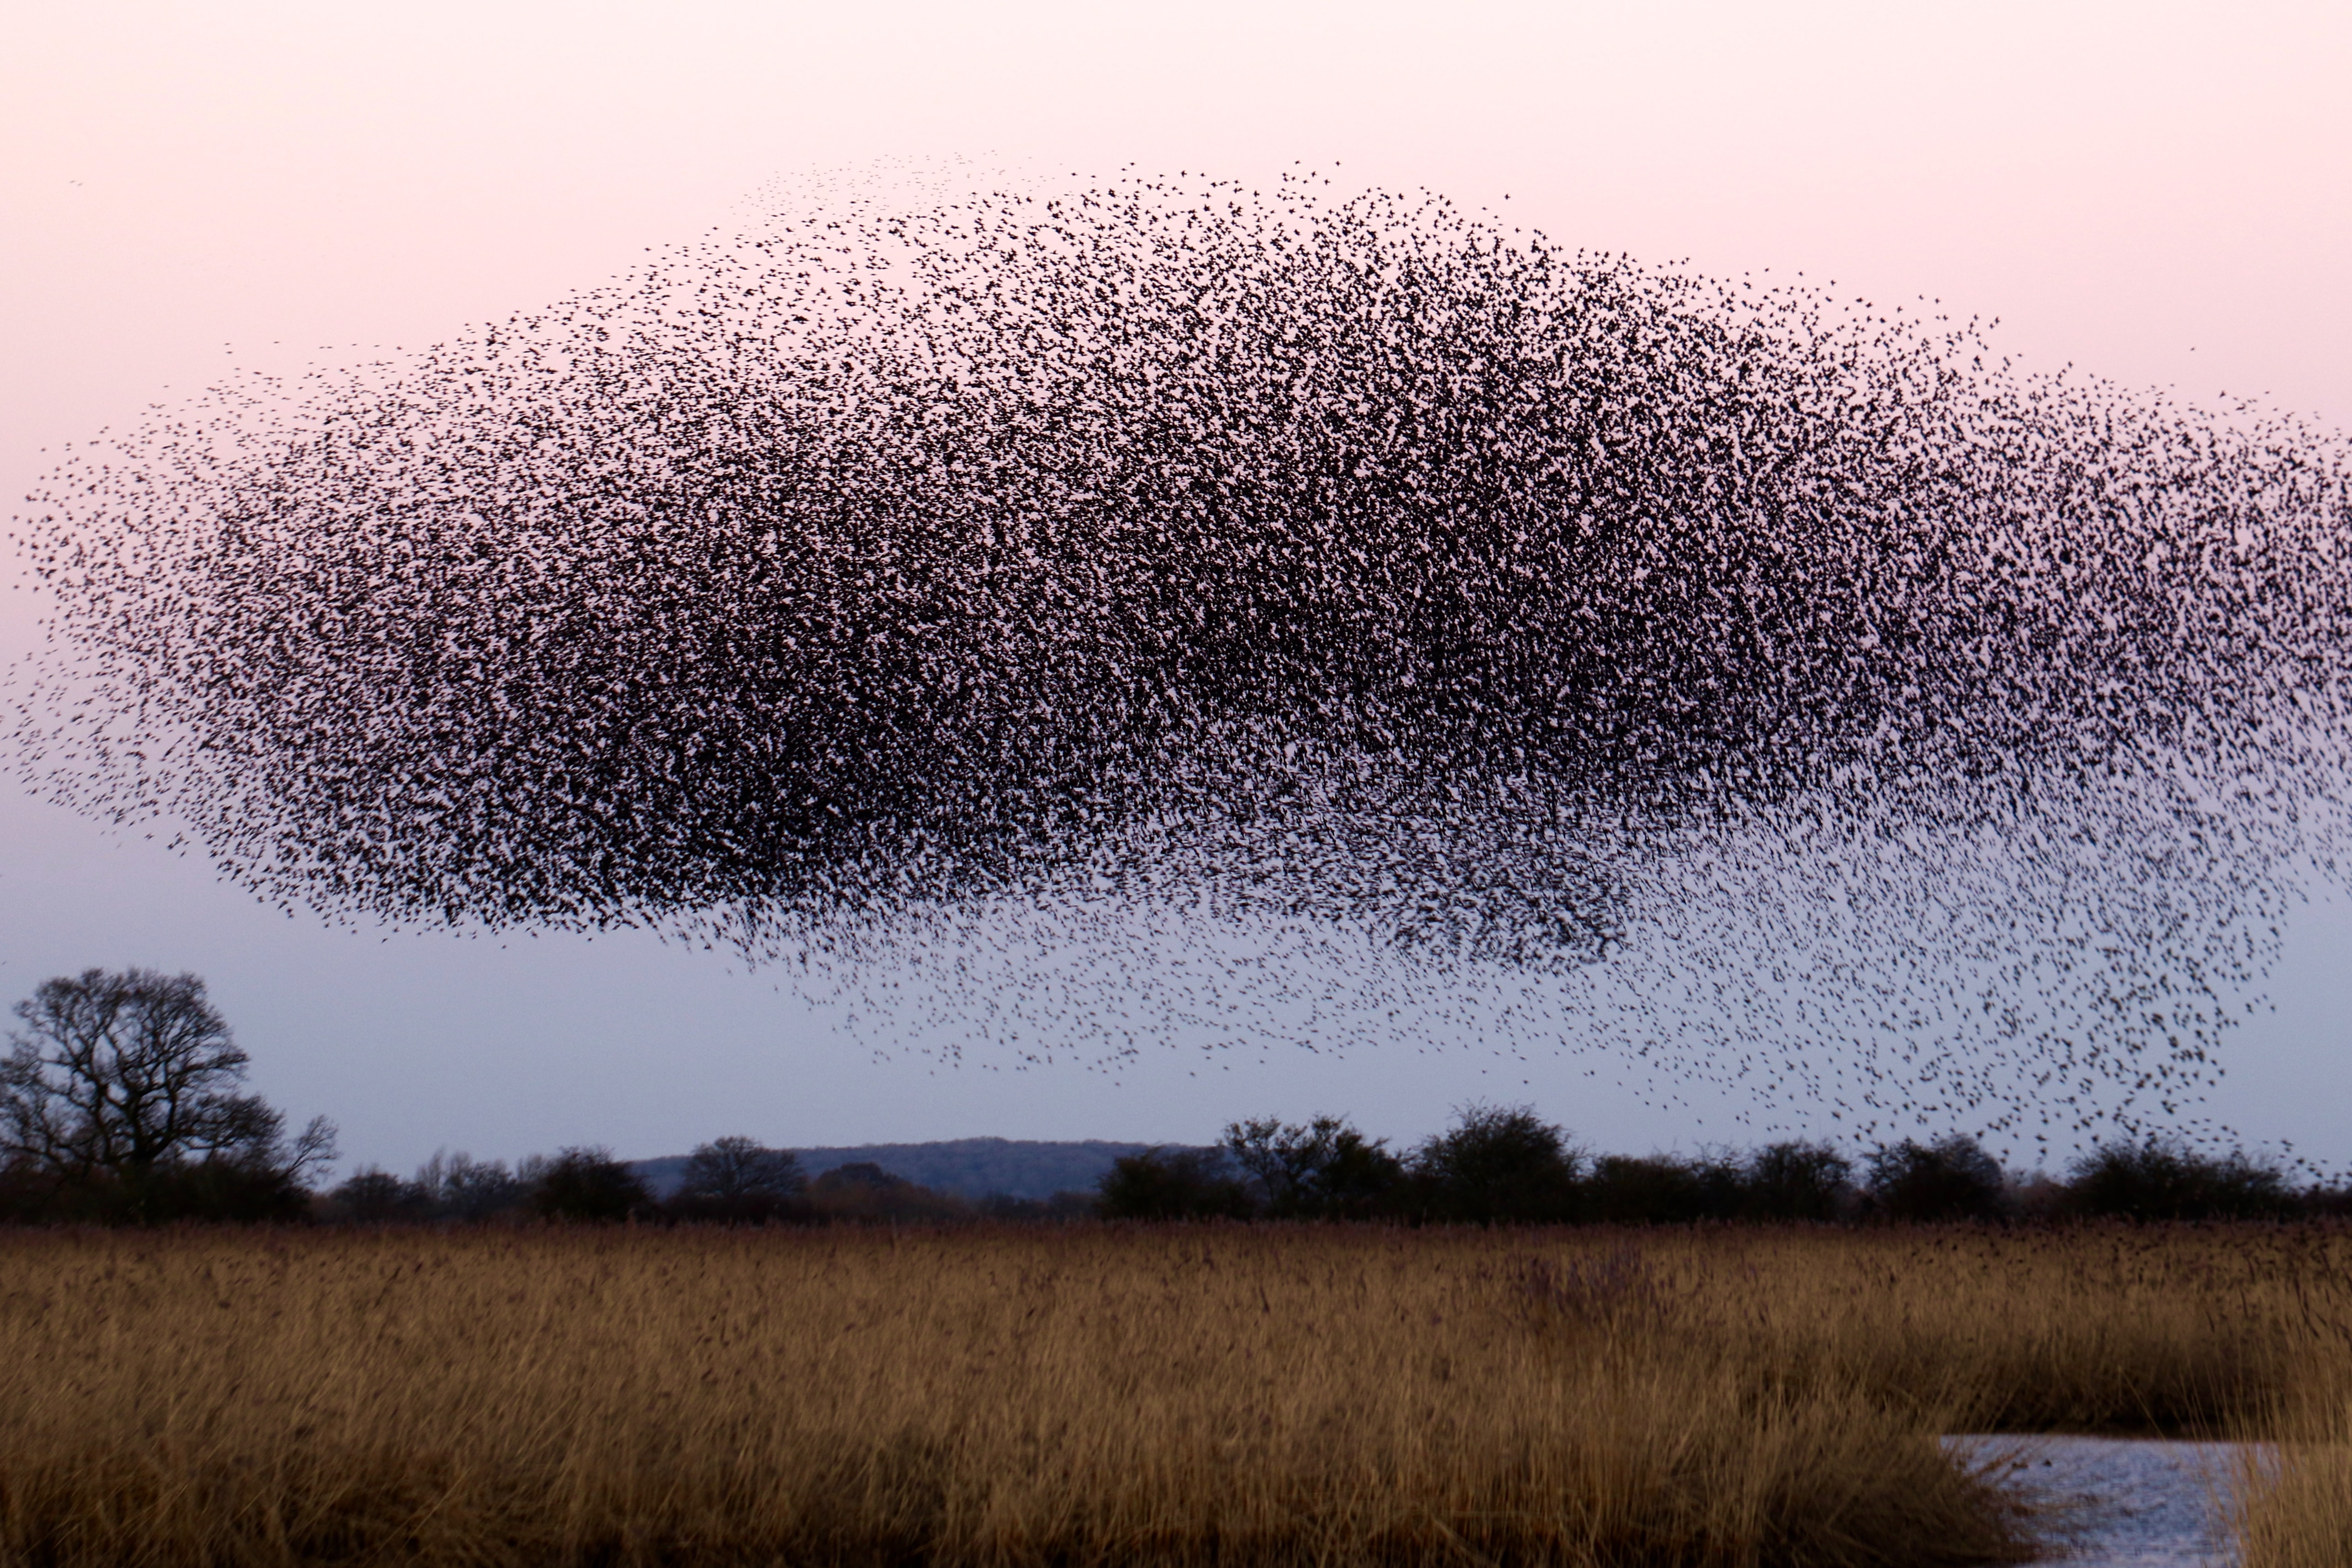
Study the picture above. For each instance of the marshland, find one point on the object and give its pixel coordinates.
(1297, 1346)
(1181, 1392)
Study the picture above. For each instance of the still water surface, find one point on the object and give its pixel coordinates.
(2123, 1502)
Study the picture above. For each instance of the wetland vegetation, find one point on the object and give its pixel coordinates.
(1160, 1393)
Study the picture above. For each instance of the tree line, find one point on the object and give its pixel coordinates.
(1495, 1165)
(728, 1180)
(122, 1101)
(1507, 1165)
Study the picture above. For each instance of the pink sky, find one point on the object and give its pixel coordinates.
(2161, 194)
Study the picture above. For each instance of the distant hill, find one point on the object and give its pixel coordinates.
(973, 1167)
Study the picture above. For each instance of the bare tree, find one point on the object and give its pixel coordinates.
(459, 1186)
(740, 1167)
(372, 1195)
(115, 1077)
(739, 1178)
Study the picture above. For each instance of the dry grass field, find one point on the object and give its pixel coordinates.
(2301, 1515)
(1108, 1396)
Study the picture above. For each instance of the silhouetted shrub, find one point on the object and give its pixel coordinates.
(25, 1191)
(1496, 1165)
(225, 1188)
(1625, 1190)
(2040, 1197)
(2327, 1203)
(1950, 1179)
(2158, 1180)
(1796, 1181)
(1323, 1169)
(373, 1197)
(1174, 1183)
(587, 1184)
(864, 1193)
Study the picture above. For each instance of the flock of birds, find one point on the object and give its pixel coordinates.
(1140, 607)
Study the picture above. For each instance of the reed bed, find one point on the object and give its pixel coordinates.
(1096, 1394)
(2293, 1506)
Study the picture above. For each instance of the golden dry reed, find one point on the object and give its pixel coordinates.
(2295, 1508)
(1098, 1394)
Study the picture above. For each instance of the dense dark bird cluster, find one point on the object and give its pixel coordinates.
(1775, 685)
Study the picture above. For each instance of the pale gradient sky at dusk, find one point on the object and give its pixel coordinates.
(2161, 194)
